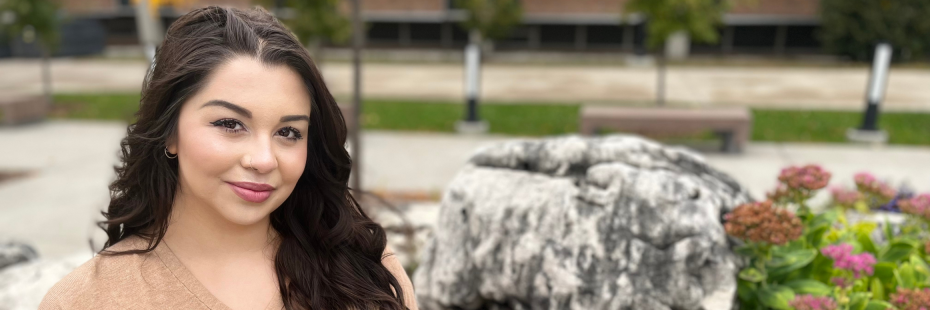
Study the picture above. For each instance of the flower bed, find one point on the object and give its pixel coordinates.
(799, 259)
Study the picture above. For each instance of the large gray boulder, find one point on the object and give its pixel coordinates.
(617, 222)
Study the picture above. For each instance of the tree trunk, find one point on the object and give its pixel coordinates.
(46, 76)
(357, 41)
(660, 83)
(316, 51)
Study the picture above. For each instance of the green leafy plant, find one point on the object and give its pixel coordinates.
(35, 20)
(490, 19)
(827, 262)
(314, 22)
(697, 18)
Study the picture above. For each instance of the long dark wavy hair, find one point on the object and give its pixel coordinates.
(330, 253)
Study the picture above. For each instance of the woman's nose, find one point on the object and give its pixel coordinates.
(261, 158)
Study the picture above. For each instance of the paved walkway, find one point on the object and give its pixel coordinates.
(70, 165)
(770, 87)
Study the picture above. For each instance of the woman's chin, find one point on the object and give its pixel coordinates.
(245, 213)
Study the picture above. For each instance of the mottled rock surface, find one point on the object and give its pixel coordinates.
(12, 252)
(617, 222)
(22, 286)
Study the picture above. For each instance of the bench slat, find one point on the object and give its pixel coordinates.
(734, 123)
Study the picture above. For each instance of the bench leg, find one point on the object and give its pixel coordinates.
(733, 141)
(730, 145)
(588, 129)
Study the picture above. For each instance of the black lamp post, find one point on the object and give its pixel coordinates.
(878, 80)
(472, 124)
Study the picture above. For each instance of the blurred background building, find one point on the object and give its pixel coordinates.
(763, 27)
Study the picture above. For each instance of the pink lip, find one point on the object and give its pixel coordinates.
(251, 192)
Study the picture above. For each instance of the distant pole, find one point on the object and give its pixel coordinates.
(356, 99)
(472, 124)
(472, 79)
(878, 80)
(148, 27)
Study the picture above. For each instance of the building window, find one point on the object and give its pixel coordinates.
(459, 35)
(426, 33)
(754, 37)
(453, 5)
(384, 32)
(518, 38)
(802, 37)
(605, 36)
(707, 47)
(556, 35)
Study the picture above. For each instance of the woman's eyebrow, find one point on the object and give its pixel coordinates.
(294, 118)
(226, 104)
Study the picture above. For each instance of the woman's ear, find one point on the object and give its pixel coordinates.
(172, 144)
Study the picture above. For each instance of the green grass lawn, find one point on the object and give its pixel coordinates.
(830, 126)
(96, 106)
(534, 119)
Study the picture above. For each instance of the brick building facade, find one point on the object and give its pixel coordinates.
(758, 27)
(761, 26)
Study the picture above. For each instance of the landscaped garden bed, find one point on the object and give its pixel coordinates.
(806, 260)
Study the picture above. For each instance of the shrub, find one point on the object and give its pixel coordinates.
(853, 27)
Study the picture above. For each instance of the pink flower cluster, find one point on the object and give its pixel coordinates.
(810, 302)
(810, 177)
(798, 182)
(866, 182)
(844, 259)
(845, 197)
(915, 299)
(918, 205)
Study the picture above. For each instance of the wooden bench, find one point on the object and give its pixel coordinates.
(734, 125)
(22, 109)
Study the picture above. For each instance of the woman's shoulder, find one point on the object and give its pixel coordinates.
(102, 278)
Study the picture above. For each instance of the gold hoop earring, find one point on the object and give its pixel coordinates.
(169, 156)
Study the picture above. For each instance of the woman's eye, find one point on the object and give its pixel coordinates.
(230, 125)
(290, 133)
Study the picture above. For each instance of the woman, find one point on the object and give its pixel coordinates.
(232, 192)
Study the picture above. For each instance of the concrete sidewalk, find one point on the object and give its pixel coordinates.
(70, 164)
(767, 87)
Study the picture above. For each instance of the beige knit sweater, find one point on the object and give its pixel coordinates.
(155, 280)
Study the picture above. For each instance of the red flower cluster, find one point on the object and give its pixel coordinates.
(810, 177)
(762, 222)
(915, 299)
(782, 194)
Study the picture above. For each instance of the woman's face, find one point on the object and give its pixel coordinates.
(240, 140)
